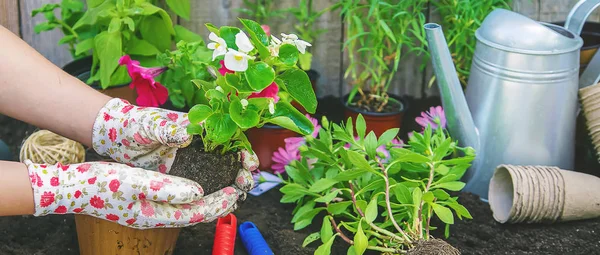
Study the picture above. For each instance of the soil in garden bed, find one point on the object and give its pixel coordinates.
(371, 104)
(56, 234)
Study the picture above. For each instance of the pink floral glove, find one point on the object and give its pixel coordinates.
(244, 180)
(131, 197)
(143, 137)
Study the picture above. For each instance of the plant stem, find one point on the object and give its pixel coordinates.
(339, 231)
(431, 173)
(388, 203)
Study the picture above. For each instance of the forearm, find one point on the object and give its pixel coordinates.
(34, 90)
(16, 195)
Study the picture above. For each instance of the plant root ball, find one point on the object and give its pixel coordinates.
(212, 171)
(433, 247)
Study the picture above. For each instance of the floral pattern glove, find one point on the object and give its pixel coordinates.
(129, 196)
(143, 137)
(244, 181)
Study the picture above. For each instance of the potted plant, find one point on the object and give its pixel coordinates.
(242, 96)
(378, 36)
(106, 30)
(375, 193)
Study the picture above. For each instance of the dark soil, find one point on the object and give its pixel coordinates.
(433, 247)
(212, 171)
(371, 105)
(56, 234)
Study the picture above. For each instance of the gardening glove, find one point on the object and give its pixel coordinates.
(129, 196)
(144, 137)
(244, 181)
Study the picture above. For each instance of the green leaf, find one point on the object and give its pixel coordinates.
(417, 196)
(322, 185)
(212, 28)
(90, 17)
(428, 196)
(402, 193)
(305, 61)
(194, 129)
(44, 26)
(228, 34)
(183, 34)
(350, 174)
(371, 212)
(440, 194)
(109, 47)
(258, 37)
(443, 213)
(298, 85)
(361, 127)
(288, 54)
(387, 136)
(442, 169)
(245, 118)
(84, 46)
(154, 30)
(360, 240)
(259, 75)
(130, 23)
(442, 150)
(94, 3)
(326, 230)
(359, 161)
(180, 7)
(302, 210)
(408, 156)
(453, 186)
(371, 145)
(325, 249)
(115, 25)
(460, 210)
(220, 128)
(387, 30)
(199, 113)
(351, 250)
(311, 238)
(307, 218)
(339, 207)
(141, 47)
(67, 39)
(328, 197)
(289, 117)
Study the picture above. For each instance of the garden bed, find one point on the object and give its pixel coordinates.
(55, 234)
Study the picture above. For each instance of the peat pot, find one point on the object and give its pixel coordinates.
(378, 122)
(80, 68)
(266, 140)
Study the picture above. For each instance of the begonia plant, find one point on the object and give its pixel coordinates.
(241, 80)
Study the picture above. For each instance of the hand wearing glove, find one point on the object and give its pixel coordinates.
(149, 137)
(130, 196)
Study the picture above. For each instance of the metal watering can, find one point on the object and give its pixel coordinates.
(521, 100)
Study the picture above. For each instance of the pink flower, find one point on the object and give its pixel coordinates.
(267, 29)
(141, 140)
(283, 157)
(147, 209)
(131, 221)
(150, 93)
(125, 123)
(77, 194)
(83, 168)
(162, 168)
(269, 92)
(224, 204)
(125, 142)
(61, 166)
(177, 214)
(112, 217)
(114, 185)
(127, 108)
(92, 180)
(159, 225)
(78, 210)
(142, 196)
(173, 116)
(223, 70)
(434, 117)
(156, 185)
(54, 181)
(229, 190)
(97, 202)
(47, 199)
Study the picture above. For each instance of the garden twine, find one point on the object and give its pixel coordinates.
(46, 147)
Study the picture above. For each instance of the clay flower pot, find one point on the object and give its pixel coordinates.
(211, 170)
(266, 140)
(80, 68)
(377, 122)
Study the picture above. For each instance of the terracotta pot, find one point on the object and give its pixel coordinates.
(377, 122)
(80, 68)
(97, 237)
(267, 140)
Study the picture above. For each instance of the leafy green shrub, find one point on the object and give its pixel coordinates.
(359, 180)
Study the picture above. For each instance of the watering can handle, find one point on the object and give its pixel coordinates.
(575, 21)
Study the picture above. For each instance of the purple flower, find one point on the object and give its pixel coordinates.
(283, 157)
(434, 117)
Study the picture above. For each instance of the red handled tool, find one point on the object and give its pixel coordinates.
(225, 235)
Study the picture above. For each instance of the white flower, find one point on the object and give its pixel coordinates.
(271, 107)
(237, 61)
(243, 42)
(274, 40)
(293, 39)
(274, 46)
(244, 103)
(218, 45)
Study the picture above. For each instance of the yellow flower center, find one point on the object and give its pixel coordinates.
(238, 57)
(217, 45)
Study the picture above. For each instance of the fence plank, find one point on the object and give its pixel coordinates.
(46, 42)
(557, 10)
(9, 15)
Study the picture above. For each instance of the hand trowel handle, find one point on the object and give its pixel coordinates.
(225, 235)
(253, 241)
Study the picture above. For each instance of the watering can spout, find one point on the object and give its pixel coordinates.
(459, 120)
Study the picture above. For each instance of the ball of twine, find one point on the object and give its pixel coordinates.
(45, 147)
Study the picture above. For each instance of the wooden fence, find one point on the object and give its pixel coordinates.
(328, 58)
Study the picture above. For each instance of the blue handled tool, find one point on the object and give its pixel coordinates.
(253, 241)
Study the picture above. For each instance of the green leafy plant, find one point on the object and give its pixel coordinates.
(261, 11)
(238, 82)
(306, 17)
(110, 29)
(378, 33)
(359, 181)
(461, 19)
